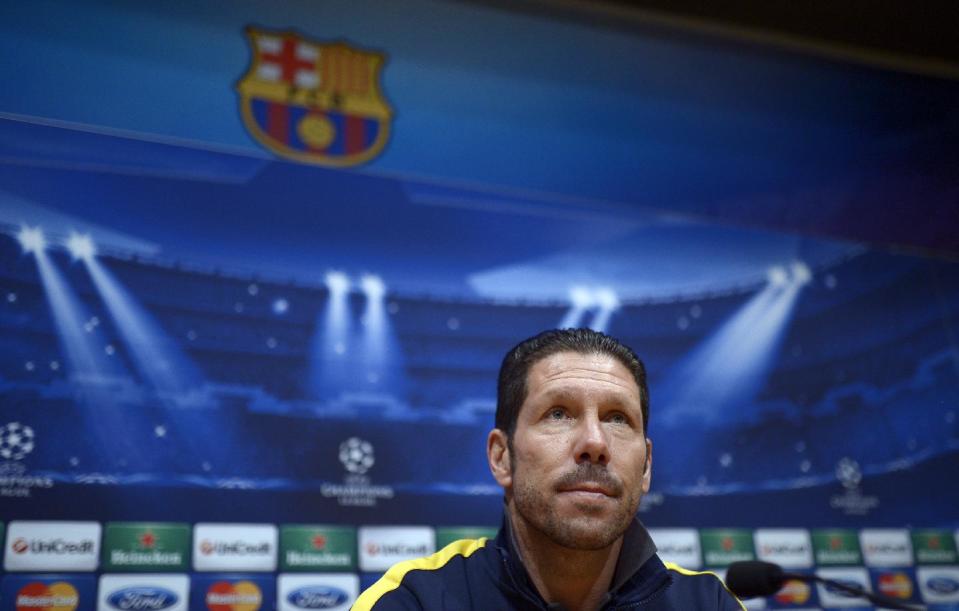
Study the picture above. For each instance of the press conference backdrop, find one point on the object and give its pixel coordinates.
(258, 270)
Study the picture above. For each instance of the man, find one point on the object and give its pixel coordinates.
(571, 453)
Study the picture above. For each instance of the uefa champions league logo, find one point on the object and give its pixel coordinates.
(356, 455)
(849, 473)
(16, 441)
(852, 501)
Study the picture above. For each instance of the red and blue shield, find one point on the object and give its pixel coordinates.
(314, 102)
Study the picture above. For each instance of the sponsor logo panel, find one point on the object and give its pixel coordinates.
(886, 547)
(159, 592)
(142, 546)
(795, 594)
(790, 548)
(48, 592)
(234, 547)
(939, 584)
(723, 546)
(832, 597)
(52, 546)
(750, 603)
(445, 536)
(836, 547)
(898, 584)
(934, 547)
(212, 592)
(314, 547)
(331, 591)
(678, 545)
(383, 546)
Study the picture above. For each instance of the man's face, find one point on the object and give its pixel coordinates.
(579, 461)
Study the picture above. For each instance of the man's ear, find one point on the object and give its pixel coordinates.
(648, 466)
(497, 453)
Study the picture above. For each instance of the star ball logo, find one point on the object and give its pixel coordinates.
(356, 455)
(16, 441)
(58, 596)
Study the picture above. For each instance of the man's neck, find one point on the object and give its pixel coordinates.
(577, 579)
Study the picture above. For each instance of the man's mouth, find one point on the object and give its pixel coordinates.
(588, 488)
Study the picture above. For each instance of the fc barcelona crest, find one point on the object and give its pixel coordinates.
(314, 102)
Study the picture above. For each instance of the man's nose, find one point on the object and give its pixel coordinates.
(591, 443)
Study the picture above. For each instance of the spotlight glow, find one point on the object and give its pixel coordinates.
(32, 239)
(373, 287)
(581, 297)
(801, 273)
(606, 299)
(608, 303)
(777, 276)
(81, 247)
(337, 282)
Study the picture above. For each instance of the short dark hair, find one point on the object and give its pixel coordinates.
(513, 373)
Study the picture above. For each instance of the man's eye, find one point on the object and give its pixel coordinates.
(557, 413)
(618, 419)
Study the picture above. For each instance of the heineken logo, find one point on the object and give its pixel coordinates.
(319, 542)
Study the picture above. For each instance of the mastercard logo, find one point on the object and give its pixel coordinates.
(793, 592)
(234, 596)
(896, 585)
(58, 596)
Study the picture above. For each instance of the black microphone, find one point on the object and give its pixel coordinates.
(752, 578)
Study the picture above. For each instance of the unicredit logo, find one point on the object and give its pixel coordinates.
(317, 597)
(234, 548)
(887, 548)
(784, 548)
(58, 547)
(397, 549)
(142, 598)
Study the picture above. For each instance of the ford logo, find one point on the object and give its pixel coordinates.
(943, 585)
(317, 597)
(142, 597)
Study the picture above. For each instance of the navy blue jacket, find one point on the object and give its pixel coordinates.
(483, 575)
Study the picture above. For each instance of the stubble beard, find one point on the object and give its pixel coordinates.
(588, 531)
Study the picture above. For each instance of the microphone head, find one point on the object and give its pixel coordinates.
(751, 578)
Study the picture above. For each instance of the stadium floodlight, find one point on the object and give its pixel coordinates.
(582, 297)
(777, 276)
(373, 287)
(801, 273)
(81, 246)
(606, 299)
(32, 239)
(338, 283)
(608, 303)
